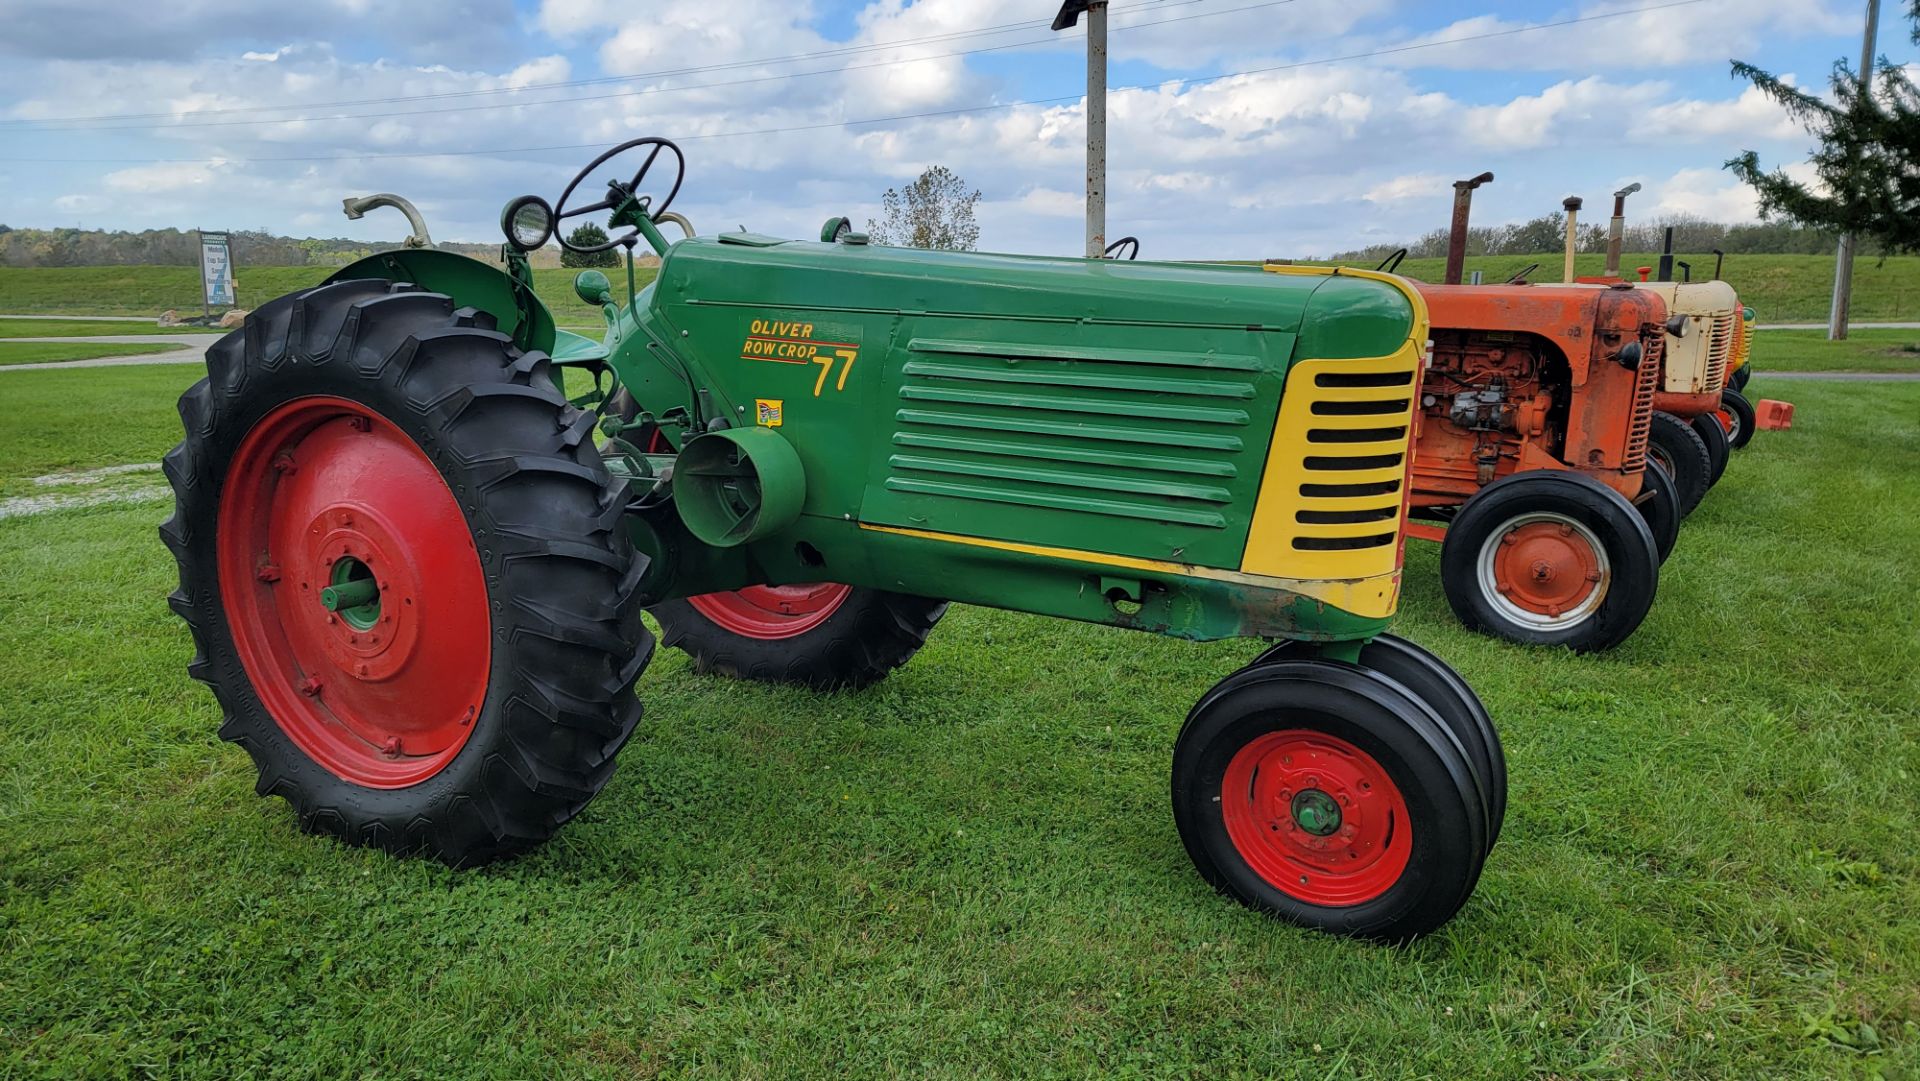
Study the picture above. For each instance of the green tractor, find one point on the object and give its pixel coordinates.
(414, 569)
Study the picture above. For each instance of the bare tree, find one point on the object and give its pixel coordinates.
(935, 211)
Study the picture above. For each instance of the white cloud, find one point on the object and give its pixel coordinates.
(1410, 186)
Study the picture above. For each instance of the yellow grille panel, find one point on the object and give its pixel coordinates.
(1720, 346)
(1335, 480)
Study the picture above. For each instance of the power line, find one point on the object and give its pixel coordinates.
(575, 99)
(985, 31)
(1162, 84)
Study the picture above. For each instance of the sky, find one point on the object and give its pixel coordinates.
(1237, 128)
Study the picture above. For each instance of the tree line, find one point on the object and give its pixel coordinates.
(1548, 233)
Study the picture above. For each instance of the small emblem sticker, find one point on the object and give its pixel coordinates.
(767, 412)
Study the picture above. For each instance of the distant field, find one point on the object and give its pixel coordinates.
(1782, 288)
(42, 352)
(150, 290)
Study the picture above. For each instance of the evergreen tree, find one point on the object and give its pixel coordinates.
(1868, 161)
(586, 236)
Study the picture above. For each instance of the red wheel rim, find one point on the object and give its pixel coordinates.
(324, 492)
(1316, 817)
(1725, 417)
(771, 612)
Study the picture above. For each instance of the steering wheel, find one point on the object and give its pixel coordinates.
(1132, 244)
(620, 195)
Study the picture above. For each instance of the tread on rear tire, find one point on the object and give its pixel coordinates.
(542, 514)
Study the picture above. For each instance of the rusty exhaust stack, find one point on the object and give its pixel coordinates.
(1571, 204)
(1616, 228)
(1457, 237)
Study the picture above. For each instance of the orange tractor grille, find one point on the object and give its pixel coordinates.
(1643, 390)
(1720, 346)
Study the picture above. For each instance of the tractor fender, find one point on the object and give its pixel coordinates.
(517, 312)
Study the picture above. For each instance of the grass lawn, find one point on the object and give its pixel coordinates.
(79, 328)
(38, 352)
(1708, 868)
(1810, 351)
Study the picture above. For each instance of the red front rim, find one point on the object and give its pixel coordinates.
(383, 691)
(1316, 817)
(771, 612)
(1725, 417)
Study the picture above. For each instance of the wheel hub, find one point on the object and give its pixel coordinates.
(354, 592)
(1545, 569)
(1316, 817)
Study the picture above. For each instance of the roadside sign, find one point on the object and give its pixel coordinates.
(216, 269)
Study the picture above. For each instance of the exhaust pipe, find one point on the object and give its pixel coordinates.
(1571, 204)
(1457, 237)
(1617, 228)
(1666, 258)
(356, 208)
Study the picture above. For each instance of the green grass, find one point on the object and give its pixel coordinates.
(1781, 288)
(1810, 351)
(1708, 869)
(38, 352)
(77, 328)
(149, 290)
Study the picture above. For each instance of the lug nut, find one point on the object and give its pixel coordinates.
(310, 686)
(391, 748)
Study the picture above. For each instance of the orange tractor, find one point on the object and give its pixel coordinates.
(1531, 463)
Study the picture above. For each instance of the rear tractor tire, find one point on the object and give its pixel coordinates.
(1678, 447)
(1552, 559)
(1331, 796)
(1736, 418)
(402, 565)
(821, 635)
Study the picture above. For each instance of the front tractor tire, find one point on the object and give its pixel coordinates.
(1713, 436)
(1679, 449)
(1659, 506)
(1332, 796)
(402, 565)
(1550, 558)
(1736, 418)
(823, 635)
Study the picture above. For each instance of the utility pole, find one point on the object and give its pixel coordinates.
(1843, 263)
(1096, 12)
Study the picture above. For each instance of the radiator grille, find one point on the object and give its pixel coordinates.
(1331, 503)
(1720, 346)
(1116, 450)
(1643, 391)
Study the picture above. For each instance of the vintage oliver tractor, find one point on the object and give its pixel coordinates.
(415, 577)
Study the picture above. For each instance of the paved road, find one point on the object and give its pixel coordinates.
(192, 347)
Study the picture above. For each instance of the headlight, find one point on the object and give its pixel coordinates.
(528, 222)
